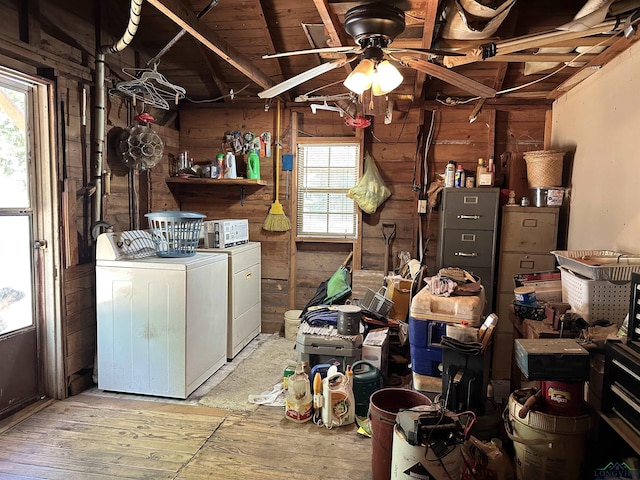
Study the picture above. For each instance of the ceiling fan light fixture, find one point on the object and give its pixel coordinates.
(386, 78)
(360, 78)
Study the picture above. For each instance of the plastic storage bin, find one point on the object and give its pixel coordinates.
(595, 299)
(427, 306)
(176, 234)
(319, 349)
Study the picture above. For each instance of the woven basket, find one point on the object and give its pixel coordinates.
(544, 168)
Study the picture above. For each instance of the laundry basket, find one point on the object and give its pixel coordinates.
(176, 234)
(376, 302)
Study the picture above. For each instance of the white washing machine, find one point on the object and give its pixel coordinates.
(162, 322)
(245, 304)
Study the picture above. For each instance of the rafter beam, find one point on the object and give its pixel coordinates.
(186, 19)
(429, 14)
(337, 36)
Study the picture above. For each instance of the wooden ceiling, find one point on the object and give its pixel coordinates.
(219, 58)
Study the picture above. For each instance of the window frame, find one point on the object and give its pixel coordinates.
(327, 237)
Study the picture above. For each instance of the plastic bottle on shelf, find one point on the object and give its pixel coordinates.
(253, 166)
(449, 174)
(230, 166)
(460, 177)
(220, 162)
(480, 169)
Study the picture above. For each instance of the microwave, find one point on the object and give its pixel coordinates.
(225, 233)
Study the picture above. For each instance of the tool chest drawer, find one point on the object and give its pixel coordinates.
(621, 388)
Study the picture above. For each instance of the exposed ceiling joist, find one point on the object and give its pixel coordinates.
(429, 15)
(186, 19)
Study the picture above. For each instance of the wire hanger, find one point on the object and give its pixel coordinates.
(151, 87)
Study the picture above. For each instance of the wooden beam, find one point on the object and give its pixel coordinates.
(39, 58)
(429, 14)
(337, 36)
(599, 61)
(541, 57)
(186, 19)
(528, 42)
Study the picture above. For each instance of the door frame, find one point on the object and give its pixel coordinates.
(46, 219)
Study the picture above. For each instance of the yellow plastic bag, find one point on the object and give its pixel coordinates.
(370, 191)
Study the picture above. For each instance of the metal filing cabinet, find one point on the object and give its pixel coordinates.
(528, 235)
(468, 231)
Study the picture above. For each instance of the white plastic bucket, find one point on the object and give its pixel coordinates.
(409, 461)
(291, 323)
(547, 447)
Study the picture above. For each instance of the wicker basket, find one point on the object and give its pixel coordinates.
(544, 168)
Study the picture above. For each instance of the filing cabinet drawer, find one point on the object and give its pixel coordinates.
(529, 229)
(471, 248)
(470, 209)
(513, 263)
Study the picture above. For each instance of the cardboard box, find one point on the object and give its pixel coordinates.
(375, 349)
(399, 292)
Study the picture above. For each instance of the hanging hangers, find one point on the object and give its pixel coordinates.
(151, 86)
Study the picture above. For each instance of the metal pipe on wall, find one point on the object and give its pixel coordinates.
(132, 27)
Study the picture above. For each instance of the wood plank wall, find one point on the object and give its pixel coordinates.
(394, 149)
(498, 129)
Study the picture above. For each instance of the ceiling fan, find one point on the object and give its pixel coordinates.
(374, 26)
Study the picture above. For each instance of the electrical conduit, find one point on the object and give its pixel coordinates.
(99, 134)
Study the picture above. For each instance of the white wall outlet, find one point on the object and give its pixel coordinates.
(422, 206)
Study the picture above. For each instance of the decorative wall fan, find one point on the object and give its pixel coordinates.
(374, 26)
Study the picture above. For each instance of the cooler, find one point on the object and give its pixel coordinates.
(428, 319)
(317, 349)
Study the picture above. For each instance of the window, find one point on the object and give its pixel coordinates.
(326, 172)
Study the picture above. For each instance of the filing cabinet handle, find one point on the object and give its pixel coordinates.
(469, 217)
(464, 254)
(248, 276)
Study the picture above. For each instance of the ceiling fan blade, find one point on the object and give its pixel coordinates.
(425, 51)
(304, 76)
(449, 76)
(341, 49)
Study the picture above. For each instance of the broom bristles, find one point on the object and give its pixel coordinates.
(276, 220)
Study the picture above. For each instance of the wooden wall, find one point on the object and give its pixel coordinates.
(63, 49)
(498, 129)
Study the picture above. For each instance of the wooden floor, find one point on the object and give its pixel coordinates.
(90, 437)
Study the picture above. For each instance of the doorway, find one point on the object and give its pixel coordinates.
(27, 243)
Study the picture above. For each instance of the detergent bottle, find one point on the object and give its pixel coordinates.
(298, 400)
(338, 404)
(253, 165)
(230, 166)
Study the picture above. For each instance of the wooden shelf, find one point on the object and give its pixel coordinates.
(215, 181)
(180, 184)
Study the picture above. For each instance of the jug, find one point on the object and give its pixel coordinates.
(298, 400)
(253, 166)
(337, 401)
(367, 378)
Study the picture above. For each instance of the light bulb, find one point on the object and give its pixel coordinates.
(360, 79)
(385, 79)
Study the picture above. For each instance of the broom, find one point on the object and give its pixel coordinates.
(276, 220)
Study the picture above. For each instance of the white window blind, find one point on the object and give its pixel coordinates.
(326, 172)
